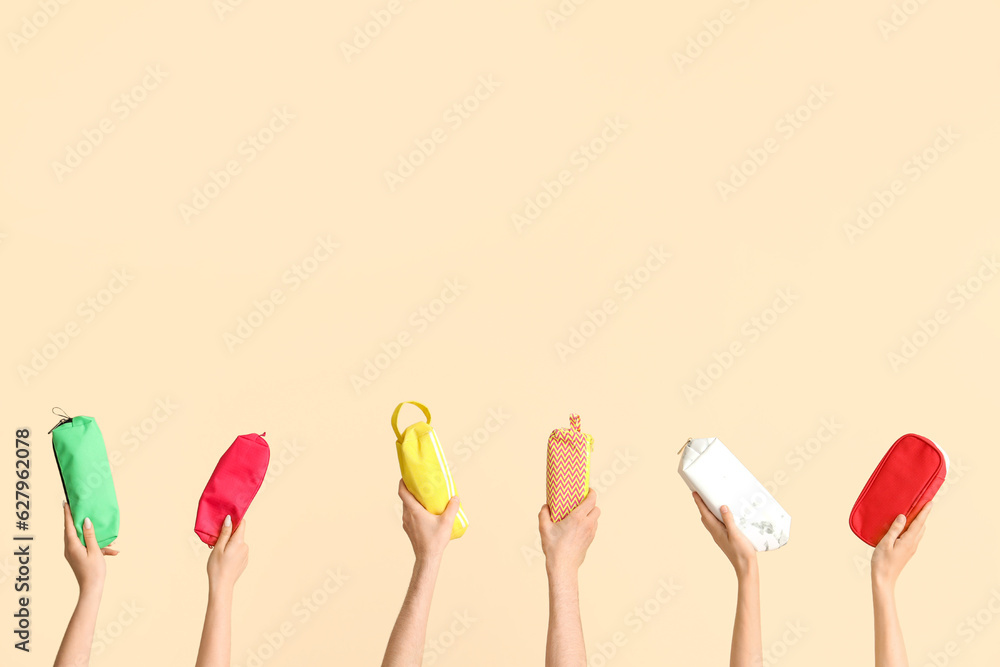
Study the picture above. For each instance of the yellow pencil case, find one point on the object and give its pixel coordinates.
(424, 467)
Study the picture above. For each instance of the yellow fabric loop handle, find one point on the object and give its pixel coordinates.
(395, 414)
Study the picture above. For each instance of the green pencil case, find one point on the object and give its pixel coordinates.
(86, 476)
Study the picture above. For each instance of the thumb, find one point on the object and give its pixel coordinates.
(89, 536)
(893, 533)
(224, 533)
(451, 510)
(728, 519)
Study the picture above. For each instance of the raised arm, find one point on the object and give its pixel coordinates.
(565, 546)
(226, 563)
(429, 535)
(746, 650)
(888, 560)
(88, 565)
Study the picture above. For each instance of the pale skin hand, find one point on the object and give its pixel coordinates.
(890, 556)
(87, 563)
(747, 649)
(226, 563)
(429, 535)
(565, 546)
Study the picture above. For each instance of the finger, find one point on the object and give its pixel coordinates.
(728, 519)
(915, 531)
(595, 514)
(587, 504)
(892, 534)
(68, 528)
(706, 514)
(409, 499)
(240, 534)
(451, 509)
(544, 517)
(224, 533)
(715, 527)
(89, 536)
(108, 551)
(917, 525)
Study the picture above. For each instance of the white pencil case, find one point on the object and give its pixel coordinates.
(708, 467)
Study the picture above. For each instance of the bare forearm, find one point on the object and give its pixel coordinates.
(746, 648)
(564, 647)
(890, 650)
(406, 643)
(75, 648)
(216, 635)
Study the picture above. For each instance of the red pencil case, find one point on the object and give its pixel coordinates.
(232, 486)
(906, 479)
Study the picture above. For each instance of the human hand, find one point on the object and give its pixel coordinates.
(897, 547)
(729, 537)
(87, 561)
(229, 557)
(429, 533)
(565, 543)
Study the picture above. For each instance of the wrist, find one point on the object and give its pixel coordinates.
(746, 571)
(427, 562)
(219, 588)
(92, 589)
(561, 572)
(883, 583)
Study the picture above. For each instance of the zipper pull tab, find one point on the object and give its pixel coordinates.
(685, 445)
(63, 418)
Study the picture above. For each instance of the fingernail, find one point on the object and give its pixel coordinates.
(901, 518)
(64, 503)
(87, 524)
(725, 509)
(228, 522)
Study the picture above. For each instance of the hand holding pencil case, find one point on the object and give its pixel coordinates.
(83, 465)
(708, 467)
(567, 468)
(906, 479)
(424, 468)
(231, 488)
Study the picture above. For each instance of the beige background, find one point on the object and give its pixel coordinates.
(331, 505)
